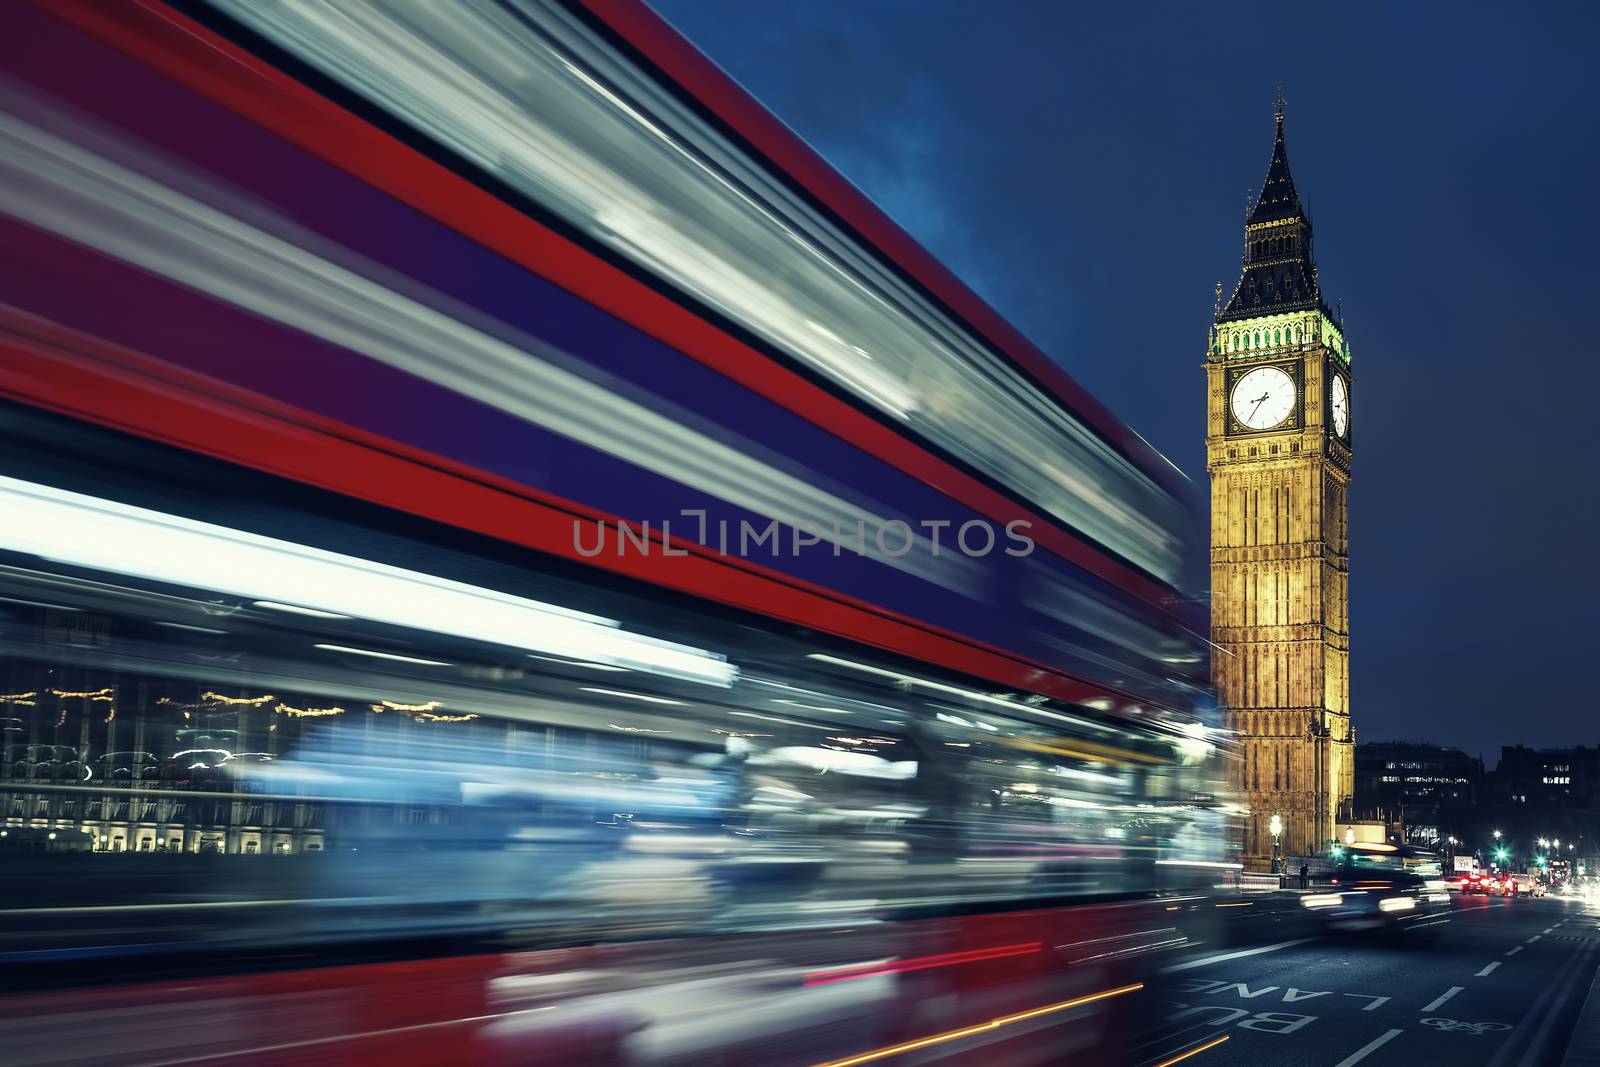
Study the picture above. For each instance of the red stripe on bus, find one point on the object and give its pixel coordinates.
(48, 366)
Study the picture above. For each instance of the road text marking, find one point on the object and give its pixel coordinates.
(1371, 1046)
(1437, 1004)
(1485, 972)
(1456, 1026)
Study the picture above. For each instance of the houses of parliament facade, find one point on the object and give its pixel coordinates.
(1278, 449)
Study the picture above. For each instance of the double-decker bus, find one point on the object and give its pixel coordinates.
(506, 557)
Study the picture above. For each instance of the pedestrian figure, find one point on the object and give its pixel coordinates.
(1305, 876)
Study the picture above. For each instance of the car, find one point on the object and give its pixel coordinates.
(1528, 885)
(1382, 899)
(1498, 884)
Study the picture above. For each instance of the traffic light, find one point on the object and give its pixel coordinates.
(1500, 855)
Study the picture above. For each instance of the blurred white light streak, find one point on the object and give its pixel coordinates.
(631, 696)
(106, 535)
(382, 655)
(295, 609)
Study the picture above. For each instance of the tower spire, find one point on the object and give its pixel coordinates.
(1278, 273)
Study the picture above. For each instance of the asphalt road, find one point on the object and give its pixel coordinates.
(1503, 986)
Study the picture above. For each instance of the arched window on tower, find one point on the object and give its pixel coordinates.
(1277, 337)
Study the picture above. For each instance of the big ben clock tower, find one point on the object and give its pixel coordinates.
(1278, 449)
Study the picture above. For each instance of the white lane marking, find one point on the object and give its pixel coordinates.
(1371, 1046)
(1485, 972)
(1532, 939)
(1377, 1002)
(1514, 951)
(1434, 1006)
(1549, 929)
(1225, 956)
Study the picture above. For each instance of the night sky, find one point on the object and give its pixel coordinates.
(1084, 168)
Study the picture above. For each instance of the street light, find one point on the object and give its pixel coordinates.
(1276, 826)
(1497, 835)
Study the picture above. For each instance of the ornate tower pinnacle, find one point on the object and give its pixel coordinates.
(1278, 274)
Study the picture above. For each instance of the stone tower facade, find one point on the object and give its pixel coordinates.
(1278, 450)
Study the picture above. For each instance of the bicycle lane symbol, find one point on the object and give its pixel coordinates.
(1456, 1026)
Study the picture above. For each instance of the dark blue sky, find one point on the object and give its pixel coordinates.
(1084, 168)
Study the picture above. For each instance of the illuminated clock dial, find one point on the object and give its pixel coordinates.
(1263, 398)
(1341, 405)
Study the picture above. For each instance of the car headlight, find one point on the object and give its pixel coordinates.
(1396, 904)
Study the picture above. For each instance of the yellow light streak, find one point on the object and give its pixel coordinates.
(307, 713)
(1213, 1043)
(389, 705)
(1088, 751)
(218, 698)
(968, 1031)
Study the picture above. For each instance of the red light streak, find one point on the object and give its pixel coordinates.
(922, 963)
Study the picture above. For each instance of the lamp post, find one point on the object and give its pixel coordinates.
(1276, 826)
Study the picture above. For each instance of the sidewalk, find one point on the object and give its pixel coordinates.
(1583, 1050)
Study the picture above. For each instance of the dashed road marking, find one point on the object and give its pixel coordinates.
(1532, 939)
(1371, 1046)
(1486, 971)
(1514, 951)
(1435, 1005)
(1223, 957)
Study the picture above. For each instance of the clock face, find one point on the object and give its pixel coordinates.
(1341, 405)
(1263, 398)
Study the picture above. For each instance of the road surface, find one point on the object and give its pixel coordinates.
(1503, 987)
